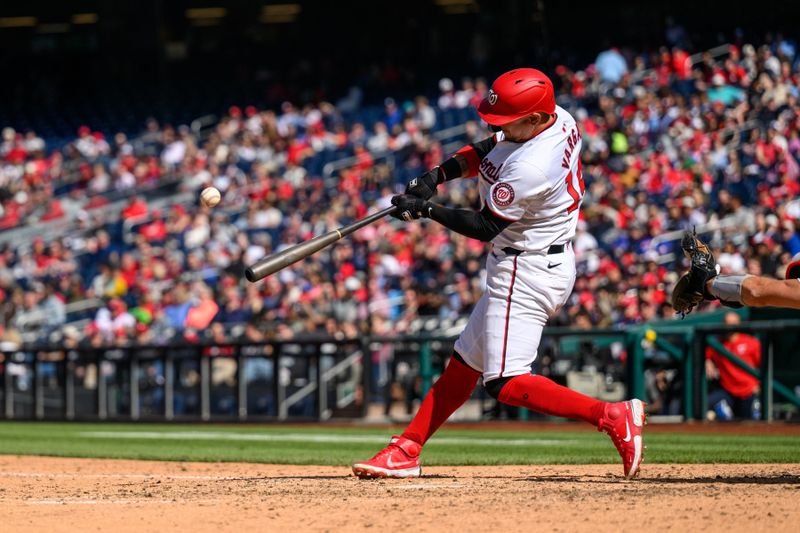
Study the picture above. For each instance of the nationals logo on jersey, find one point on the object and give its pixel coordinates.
(503, 194)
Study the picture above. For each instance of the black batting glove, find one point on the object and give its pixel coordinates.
(409, 207)
(424, 186)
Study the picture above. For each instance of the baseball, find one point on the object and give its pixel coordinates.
(210, 196)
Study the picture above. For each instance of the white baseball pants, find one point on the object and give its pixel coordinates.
(523, 291)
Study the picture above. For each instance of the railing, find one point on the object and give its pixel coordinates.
(765, 374)
(30, 324)
(717, 51)
(694, 59)
(232, 381)
(390, 156)
(686, 345)
(325, 378)
(201, 126)
(163, 192)
(672, 236)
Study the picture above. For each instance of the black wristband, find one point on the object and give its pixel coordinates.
(449, 170)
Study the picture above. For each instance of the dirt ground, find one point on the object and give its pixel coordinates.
(55, 494)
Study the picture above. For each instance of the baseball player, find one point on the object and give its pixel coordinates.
(531, 186)
(703, 282)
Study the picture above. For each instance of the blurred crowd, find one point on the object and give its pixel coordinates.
(671, 142)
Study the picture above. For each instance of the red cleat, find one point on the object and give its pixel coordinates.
(624, 423)
(398, 460)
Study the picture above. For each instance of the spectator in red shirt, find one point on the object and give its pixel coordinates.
(136, 208)
(681, 64)
(54, 210)
(738, 390)
(155, 231)
(203, 311)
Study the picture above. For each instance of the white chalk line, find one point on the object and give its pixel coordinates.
(128, 476)
(309, 437)
(111, 502)
(151, 501)
(61, 475)
(430, 486)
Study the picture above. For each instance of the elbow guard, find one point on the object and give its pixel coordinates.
(472, 155)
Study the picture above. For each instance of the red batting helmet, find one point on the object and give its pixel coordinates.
(793, 270)
(516, 94)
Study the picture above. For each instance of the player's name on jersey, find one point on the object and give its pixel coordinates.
(572, 142)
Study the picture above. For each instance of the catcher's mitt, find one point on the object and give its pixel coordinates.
(691, 288)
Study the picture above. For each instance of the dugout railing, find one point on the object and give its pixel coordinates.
(326, 378)
(768, 332)
(686, 345)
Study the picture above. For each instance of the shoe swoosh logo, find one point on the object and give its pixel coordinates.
(628, 430)
(391, 464)
(552, 265)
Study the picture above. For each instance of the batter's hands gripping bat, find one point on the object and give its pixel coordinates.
(275, 262)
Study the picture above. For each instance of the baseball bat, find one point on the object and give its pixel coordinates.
(275, 262)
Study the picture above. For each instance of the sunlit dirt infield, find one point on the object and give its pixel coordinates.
(58, 494)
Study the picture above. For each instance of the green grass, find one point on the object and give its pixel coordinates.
(339, 446)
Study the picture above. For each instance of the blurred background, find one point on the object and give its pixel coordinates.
(122, 298)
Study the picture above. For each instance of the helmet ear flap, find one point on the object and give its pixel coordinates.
(494, 128)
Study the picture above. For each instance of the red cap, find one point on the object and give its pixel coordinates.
(516, 94)
(586, 298)
(650, 279)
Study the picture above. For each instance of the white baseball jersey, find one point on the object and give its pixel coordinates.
(539, 186)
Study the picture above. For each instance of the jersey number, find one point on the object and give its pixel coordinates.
(576, 196)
